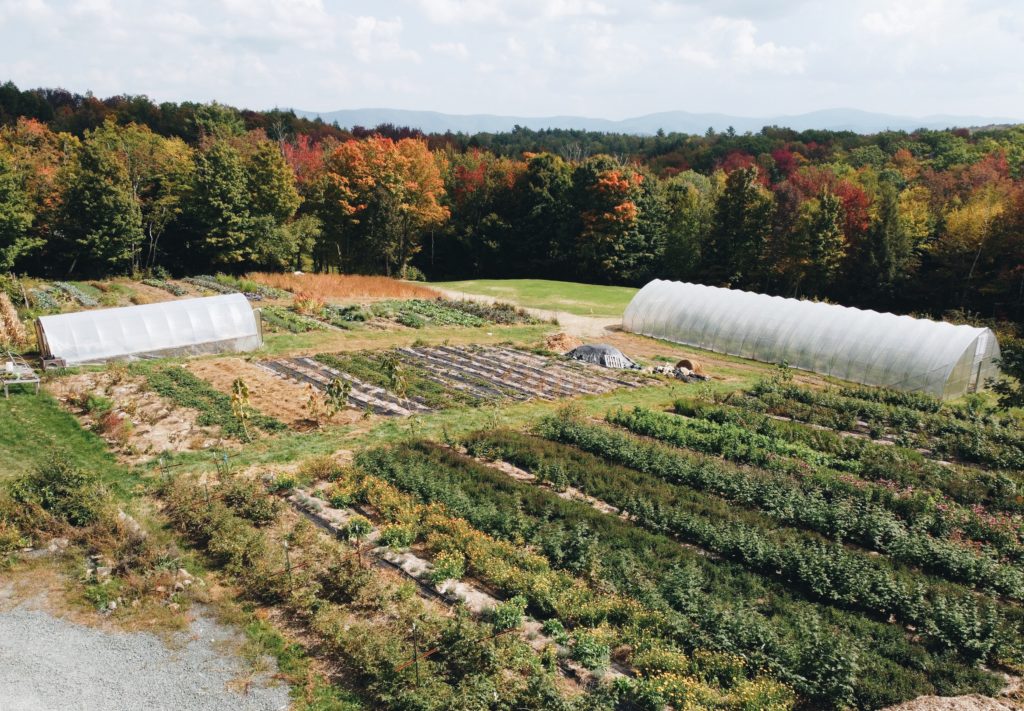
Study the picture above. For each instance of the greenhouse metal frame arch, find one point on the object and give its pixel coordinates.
(861, 346)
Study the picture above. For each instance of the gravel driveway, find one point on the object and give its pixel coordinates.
(48, 663)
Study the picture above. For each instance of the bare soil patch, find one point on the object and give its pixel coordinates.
(141, 423)
(270, 394)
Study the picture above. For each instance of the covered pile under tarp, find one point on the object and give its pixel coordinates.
(213, 324)
(601, 354)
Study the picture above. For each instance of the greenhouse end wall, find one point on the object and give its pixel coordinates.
(857, 345)
(214, 324)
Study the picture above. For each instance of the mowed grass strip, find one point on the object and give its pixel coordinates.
(548, 295)
(32, 427)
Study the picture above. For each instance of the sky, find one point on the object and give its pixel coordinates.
(597, 58)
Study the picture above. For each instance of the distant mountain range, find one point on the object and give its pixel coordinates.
(669, 121)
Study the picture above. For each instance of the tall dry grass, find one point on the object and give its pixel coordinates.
(344, 286)
(12, 330)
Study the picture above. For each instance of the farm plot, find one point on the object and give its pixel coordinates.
(361, 395)
(494, 372)
(690, 601)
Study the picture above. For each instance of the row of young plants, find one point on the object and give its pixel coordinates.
(599, 622)
(830, 656)
(889, 464)
(417, 313)
(916, 401)
(820, 569)
(374, 630)
(289, 320)
(76, 294)
(215, 408)
(986, 439)
(377, 368)
(210, 284)
(497, 312)
(839, 507)
(163, 284)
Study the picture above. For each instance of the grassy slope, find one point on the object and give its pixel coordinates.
(32, 426)
(580, 299)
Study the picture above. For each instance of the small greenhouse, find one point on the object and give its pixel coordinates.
(213, 324)
(861, 346)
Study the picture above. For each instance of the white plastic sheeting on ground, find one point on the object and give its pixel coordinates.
(213, 324)
(861, 346)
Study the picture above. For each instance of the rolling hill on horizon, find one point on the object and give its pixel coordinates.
(670, 121)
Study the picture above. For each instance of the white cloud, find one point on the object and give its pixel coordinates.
(730, 44)
(376, 40)
(456, 50)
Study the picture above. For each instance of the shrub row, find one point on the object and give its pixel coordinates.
(820, 569)
(841, 508)
(591, 613)
(831, 657)
(983, 439)
(869, 460)
(366, 624)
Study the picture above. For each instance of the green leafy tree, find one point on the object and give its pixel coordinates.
(15, 216)
(690, 206)
(102, 222)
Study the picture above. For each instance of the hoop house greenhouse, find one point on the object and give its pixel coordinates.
(213, 324)
(861, 346)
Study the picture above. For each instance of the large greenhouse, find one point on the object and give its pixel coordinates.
(212, 324)
(861, 346)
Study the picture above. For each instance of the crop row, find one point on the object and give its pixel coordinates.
(984, 439)
(842, 508)
(870, 460)
(76, 294)
(595, 618)
(383, 369)
(417, 313)
(289, 320)
(821, 569)
(703, 603)
(368, 625)
(169, 286)
(186, 390)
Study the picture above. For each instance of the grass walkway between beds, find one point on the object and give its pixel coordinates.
(548, 295)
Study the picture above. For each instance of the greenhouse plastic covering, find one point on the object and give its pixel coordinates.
(212, 324)
(867, 347)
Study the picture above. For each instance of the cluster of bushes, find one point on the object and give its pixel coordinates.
(215, 408)
(368, 625)
(830, 656)
(57, 499)
(76, 294)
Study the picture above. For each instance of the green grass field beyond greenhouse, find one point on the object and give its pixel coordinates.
(580, 299)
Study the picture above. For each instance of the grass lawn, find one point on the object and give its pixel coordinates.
(33, 426)
(579, 299)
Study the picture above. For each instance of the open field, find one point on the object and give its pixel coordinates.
(546, 295)
(479, 516)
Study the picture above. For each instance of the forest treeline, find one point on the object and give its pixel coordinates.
(926, 222)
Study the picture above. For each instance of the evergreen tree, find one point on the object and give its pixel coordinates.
(743, 221)
(218, 218)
